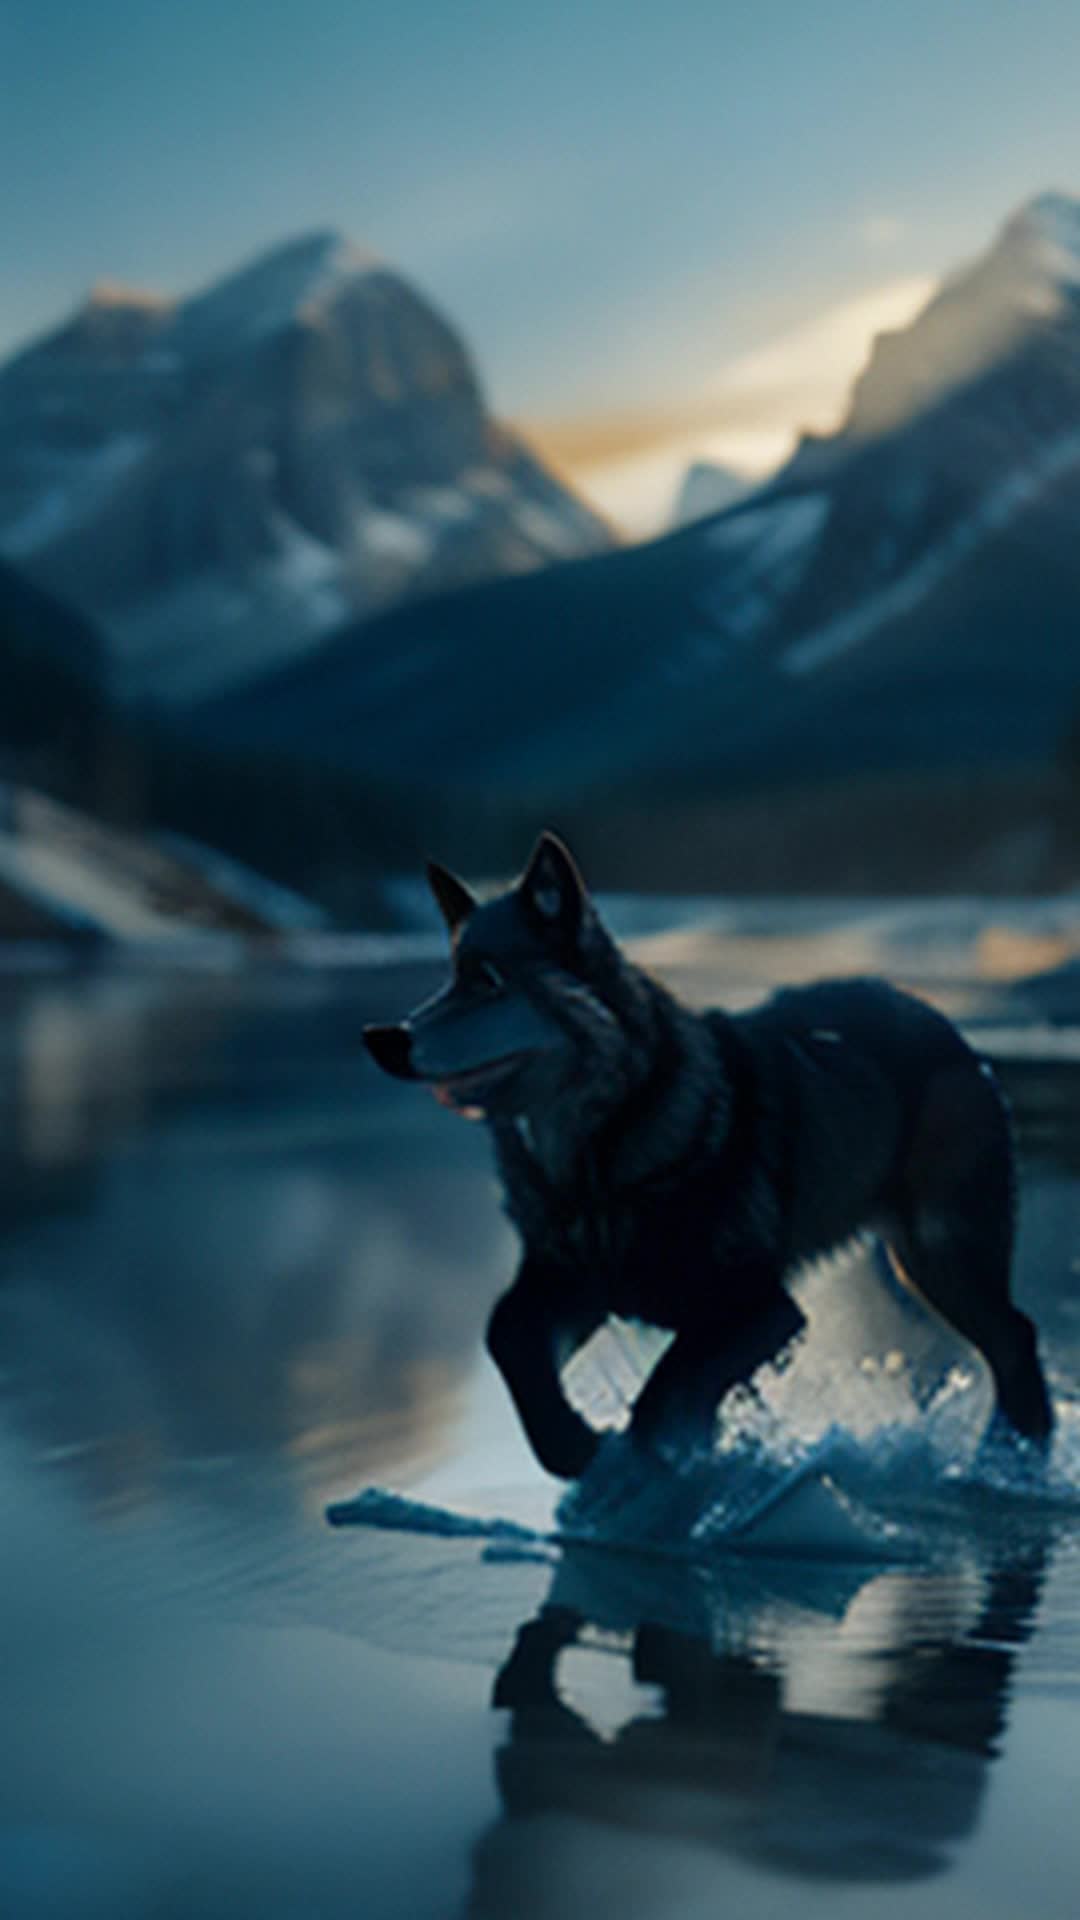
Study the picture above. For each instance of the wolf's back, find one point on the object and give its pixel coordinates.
(841, 1073)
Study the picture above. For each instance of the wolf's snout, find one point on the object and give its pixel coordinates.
(391, 1049)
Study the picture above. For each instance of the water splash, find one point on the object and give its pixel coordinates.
(897, 1494)
(872, 1439)
(397, 1513)
(894, 1493)
(874, 1435)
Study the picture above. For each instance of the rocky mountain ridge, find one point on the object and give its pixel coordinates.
(218, 481)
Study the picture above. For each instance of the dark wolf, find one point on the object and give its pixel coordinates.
(677, 1168)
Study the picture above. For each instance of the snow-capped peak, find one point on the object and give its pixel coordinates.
(1047, 229)
(269, 292)
(1057, 215)
(1022, 282)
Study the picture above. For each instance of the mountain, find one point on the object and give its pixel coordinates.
(706, 489)
(900, 600)
(217, 481)
(52, 715)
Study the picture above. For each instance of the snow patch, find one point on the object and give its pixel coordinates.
(706, 489)
(79, 488)
(206, 635)
(767, 551)
(780, 531)
(394, 538)
(261, 299)
(307, 570)
(487, 484)
(77, 890)
(836, 637)
(552, 532)
(442, 507)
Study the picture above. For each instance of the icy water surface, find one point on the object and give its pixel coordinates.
(244, 1278)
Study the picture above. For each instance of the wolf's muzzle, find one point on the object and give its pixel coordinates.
(391, 1049)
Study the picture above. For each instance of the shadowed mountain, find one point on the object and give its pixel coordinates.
(899, 601)
(220, 480)
(144, 781)
(51, 714)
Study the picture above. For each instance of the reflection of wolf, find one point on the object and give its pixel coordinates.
(675, 1167)
(858, 1746)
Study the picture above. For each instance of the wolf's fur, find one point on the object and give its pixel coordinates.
(676, 1167)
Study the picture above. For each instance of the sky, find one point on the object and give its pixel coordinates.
(663, 229)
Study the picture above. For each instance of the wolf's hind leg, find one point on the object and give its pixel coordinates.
(955, 1237)
(949, 1266)
(705, 1360)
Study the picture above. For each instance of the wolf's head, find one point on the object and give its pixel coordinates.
(529, 1012)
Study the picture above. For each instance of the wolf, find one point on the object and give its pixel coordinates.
(677, 1168)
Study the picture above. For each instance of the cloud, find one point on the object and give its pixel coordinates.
(880, 232)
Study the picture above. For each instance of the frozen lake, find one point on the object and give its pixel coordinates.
(244, 1276)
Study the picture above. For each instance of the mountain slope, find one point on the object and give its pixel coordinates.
(219, 481)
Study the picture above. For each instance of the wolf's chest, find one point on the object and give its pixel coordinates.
(649, 1259)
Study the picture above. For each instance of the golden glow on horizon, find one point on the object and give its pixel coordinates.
(748, 418)
(821, 357)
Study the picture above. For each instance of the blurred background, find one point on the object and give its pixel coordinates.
(421, 425)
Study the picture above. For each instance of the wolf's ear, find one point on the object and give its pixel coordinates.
(552, 886)
(454, 900)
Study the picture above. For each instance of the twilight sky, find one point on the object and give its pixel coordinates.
(664, 226)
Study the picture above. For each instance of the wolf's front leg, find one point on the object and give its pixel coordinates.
(704, 1361)
(533, 1329)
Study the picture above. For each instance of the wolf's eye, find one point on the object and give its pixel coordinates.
(481, 974)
